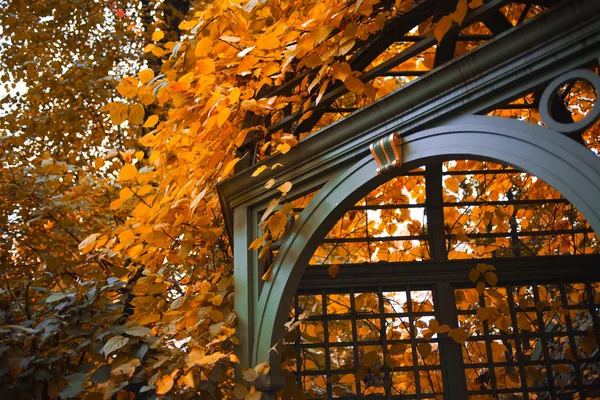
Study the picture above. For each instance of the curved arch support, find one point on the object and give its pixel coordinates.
(559, 161)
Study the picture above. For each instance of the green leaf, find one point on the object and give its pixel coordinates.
(114, 344)
(139, 331)
(55, 297)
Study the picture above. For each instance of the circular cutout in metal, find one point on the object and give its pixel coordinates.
(550, 95)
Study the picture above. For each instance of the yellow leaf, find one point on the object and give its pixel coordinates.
(99, 162)
(474, 275)
(333, 270)
(341, 71)
(115, 204)
(203, 47)
(222, 116)
(513, 376)
(135, 251)
(481, 267)
(461, 11)
(389, 361)
(270, 207)
(157, 35)
(144, 190)
(146, 75)
(114, 344)
(259, 170)
(285, 188)
(284, 148)
(145, 95)
(268, 42)
(217, 300)
(127, 172)
(434, 325)
(350, 30)
(139, 155)
(195, 356)
(230, 166)
(320, 33)
(151, 121)
(125, 193)
(205, 66)
(118, 112)
(128, 87)
(136, 113)
(267, 275)
(87, 244)
(442, 27)
(354, 84)
(256, 243)
(424, 349)
(269, 183)
(491, 278)
(370, 358)
(313, 60)
(277, 224)
(187, 24)
(164, 384)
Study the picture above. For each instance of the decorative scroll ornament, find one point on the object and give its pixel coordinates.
(550, 95)
(387, 152)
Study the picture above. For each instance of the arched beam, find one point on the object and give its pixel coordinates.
(559, 161)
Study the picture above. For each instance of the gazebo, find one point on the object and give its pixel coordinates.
(425, 153)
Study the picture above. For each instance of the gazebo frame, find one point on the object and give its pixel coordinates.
(440, 116)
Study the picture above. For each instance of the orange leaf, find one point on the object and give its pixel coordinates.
(286, 187)
(157, 35)
(128, 87)
(442, 27)
(333, 270)
(127, 172)
(268, 42)
(146, 75)
(354, 84)
(136, 113)
(164, 384)
(151, 121)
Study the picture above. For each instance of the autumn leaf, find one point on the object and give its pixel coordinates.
(151, 121)
(277, 223)
(259, 170)
(491, 278)
(87, 244)
(128, 172)
(114, 344)
(285, 188)
(136, 113)
(164, 384)
(442, 27)
(424, 349)
(145, 75)
(157, 35)
(354, 84)
(128, 87)
(139, 331)
(55, 297)
(333, 270)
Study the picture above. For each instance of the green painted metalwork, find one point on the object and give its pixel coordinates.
(556, 159)
(387, 152)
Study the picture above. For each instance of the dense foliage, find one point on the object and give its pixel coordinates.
(116, 271)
